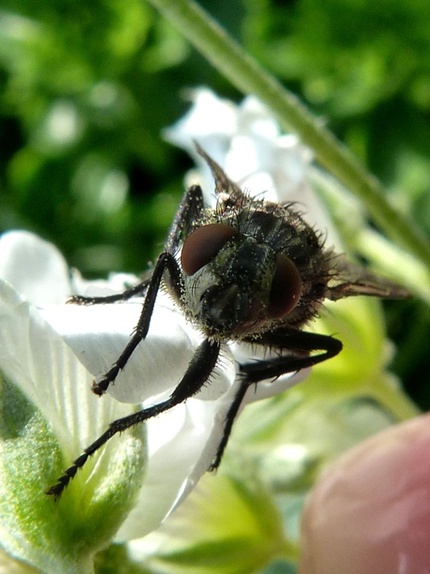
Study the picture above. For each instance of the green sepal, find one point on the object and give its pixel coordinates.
(59, 535)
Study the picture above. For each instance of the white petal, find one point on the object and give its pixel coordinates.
(175, 441)
(115, 283)
(249, 146)
(210, 121)
(181, 445)
(34, 267)
(99, 333)
(255, 119)
(33, 356)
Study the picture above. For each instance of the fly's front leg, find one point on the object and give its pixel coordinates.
(190, 209)
(299, 345)
(165, 263)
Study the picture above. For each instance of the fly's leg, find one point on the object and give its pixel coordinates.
(138, 289)
(252, 373)
(190, 209)
(300, 344)
(204, 359)
(165, 262)
(228, 423)
(196, 375)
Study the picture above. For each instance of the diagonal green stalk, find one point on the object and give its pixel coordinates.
(247, 75)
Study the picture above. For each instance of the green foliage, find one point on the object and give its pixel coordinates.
(87, 88)
(365, 67)
(84, 99)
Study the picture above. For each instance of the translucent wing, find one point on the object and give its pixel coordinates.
(352, 279)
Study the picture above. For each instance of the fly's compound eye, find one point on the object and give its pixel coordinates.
(203, 245)
(286, 287)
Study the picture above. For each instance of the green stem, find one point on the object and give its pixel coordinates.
(247, 75)
(393, 400)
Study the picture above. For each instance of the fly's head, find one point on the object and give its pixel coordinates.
(234, 285)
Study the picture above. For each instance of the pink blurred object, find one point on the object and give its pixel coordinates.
(370, 512)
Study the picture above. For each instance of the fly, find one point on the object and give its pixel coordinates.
(249, 270)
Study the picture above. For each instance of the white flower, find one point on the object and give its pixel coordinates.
(247, 142)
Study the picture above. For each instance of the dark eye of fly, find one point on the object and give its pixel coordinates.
(286, 287)
(203, 245)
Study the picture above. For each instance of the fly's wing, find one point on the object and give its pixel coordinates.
(350, 279)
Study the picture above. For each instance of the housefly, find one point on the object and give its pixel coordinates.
(250, 271)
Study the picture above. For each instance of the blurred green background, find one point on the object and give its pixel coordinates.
(86, 89)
